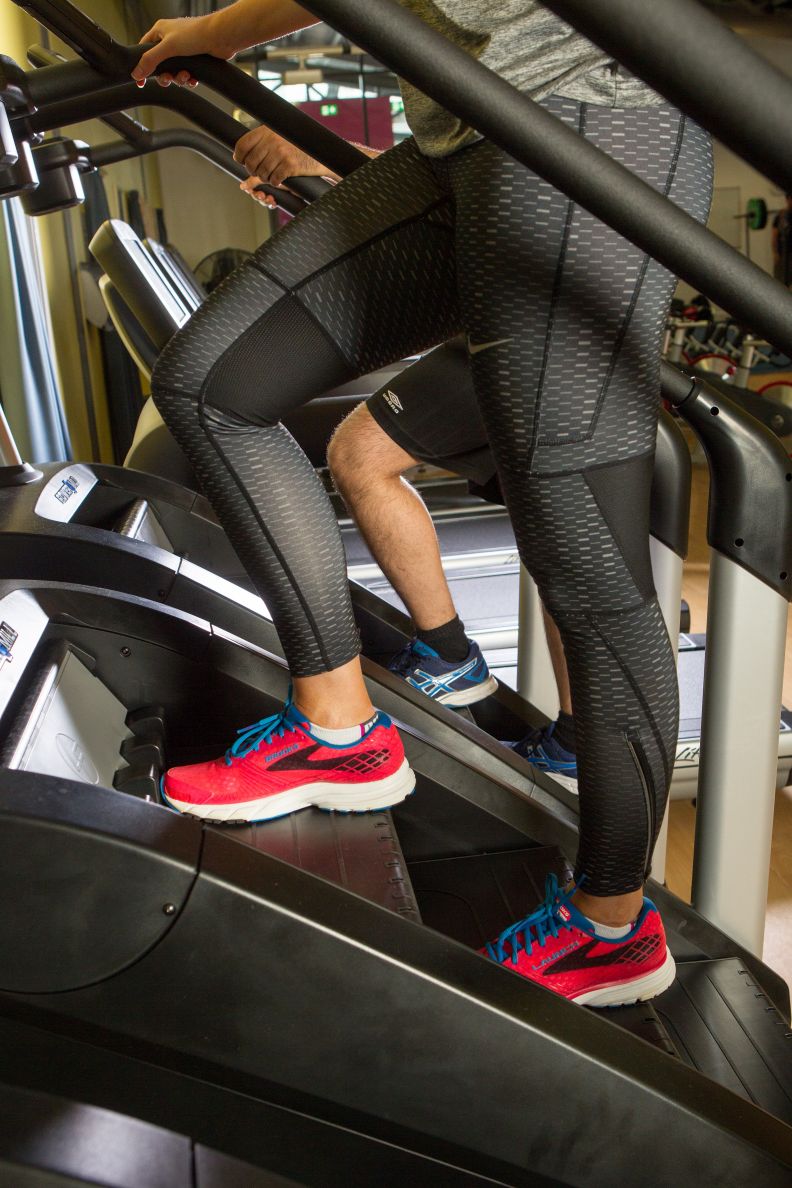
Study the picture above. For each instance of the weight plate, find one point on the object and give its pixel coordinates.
(756, 214)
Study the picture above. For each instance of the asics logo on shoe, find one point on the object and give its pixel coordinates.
(392, 399)
(475, 347)
(637, 952)
(432, 684)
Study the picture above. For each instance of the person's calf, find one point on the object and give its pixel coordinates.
(367, 466)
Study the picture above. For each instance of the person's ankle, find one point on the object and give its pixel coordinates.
(334, 717)
(564, 732)
(448, 640)
(614, 911)
(336, 699)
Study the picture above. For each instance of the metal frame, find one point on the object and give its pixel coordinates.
(739, 753)
(693, 59)
(557, 153)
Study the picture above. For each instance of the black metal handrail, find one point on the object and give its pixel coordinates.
(693, 59)
(557, 153)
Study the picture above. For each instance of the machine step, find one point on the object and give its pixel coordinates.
(360, 852)
(723, 1024)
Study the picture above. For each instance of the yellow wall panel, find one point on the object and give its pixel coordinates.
(17, 32)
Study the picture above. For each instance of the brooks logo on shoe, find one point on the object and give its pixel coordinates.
(367, 760)
(280, 754)
(637, 952)
(561, 952)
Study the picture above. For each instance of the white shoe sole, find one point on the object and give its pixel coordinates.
(638, 990)
(469, 696)
(343, 798)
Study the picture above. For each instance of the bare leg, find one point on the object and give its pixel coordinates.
(367, 466)
(334, 699)
(558, 660)
(612, 910)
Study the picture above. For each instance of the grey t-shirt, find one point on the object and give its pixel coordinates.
(531, 48)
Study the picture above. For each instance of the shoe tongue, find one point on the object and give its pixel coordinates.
(422, 649)
(567, 912)
(293, 717)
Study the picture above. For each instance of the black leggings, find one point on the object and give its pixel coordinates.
(564, 320)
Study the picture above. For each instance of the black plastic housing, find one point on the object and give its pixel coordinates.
(670, 499)
(8, 148)
(21, 177)
(59, 164)
(750, 508)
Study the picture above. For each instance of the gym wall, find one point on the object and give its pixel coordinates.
(83, 370)
(204, 208)
(76, 343)
(732, 174)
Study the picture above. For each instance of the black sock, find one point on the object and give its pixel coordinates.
(564, 732)
(449, 640)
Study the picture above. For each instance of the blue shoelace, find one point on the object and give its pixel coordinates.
(250, 738)
(402, 660)
(534, 929)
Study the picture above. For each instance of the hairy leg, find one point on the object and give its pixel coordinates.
(367, 468)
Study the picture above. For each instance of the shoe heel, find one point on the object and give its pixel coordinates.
(639, 990)
(367, 798)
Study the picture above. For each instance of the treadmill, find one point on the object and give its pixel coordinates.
(206, 979)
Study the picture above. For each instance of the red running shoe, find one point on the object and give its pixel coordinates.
(276, 767)
(557, 947)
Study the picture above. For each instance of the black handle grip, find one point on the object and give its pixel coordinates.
(311, 189)
(305, 190)
(286, 201)
(114, 63)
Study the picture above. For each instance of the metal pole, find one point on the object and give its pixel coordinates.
(536, 681)
(743, 675)
(667, 573)
(9, 454)
(705, 69)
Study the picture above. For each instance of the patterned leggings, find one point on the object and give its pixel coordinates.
(564, 321)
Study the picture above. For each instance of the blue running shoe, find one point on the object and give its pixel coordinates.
(447, 681)
(541, 750)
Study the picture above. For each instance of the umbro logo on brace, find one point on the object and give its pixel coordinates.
(393, 400)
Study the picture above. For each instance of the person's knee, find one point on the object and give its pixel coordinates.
(360, 454)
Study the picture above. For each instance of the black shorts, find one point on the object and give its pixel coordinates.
(430, 410)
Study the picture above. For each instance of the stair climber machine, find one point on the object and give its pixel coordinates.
(305, 995)
(149, 299)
